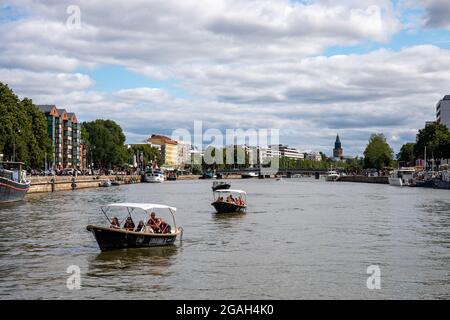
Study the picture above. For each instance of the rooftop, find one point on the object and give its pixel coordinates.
(164, 139)
(46, 107)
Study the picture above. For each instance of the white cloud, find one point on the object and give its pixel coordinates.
(242, 63)
(37, 83)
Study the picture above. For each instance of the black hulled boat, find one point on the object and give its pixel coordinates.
(109, 238)
(13, 183)
(220, 185)
(225, 202)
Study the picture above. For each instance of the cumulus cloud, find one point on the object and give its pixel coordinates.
(244, 64)
(148, 33)
(38, 83)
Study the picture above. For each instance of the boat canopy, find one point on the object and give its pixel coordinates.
(230, 191)
(12, 162)
(143, 206)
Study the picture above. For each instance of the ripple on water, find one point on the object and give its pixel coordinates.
(313, 239)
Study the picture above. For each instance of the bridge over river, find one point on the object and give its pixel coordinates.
(264, 172)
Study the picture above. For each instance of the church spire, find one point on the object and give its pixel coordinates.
(338, 152)
(337, 144)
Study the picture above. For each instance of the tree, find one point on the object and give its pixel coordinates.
(436, 138)
(23, 129)
(406, 153)
(150, 153)
(213, 159)
(324, 157)
(106, 140)
(378, 153)
(235, 157)
(354, 165)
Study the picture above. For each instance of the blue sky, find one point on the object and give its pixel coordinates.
(308, 68)
(110, 78)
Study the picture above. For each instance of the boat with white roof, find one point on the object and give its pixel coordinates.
(154, 232)
(228, 201)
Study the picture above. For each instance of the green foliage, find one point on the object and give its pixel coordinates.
(106, 143)
(436, 138)
(289, 163)
(196, 169)
(23, 129)
(150, 153)
(238, 157)
(352, 165)
(406, 153)
(378, 153)
(84, 134)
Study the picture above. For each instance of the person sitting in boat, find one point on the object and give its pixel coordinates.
(164, 227)
(140, 226)
(220, 199)
(129, 224)
(115, 224)
(154, 222)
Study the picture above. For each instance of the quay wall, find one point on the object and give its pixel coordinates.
(188, 177)
(43, 184)
(60, 183)
(364, 179)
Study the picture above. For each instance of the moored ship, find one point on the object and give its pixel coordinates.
(402, 177)
(13, 182)
(443, 182)
(153, 176)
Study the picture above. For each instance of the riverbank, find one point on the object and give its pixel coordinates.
(61, 183)
(364, 179)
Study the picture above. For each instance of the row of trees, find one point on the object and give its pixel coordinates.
(245, 160)
(434, 139)
(23, 130)
(105, 145)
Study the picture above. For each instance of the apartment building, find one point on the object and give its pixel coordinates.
(64, 132)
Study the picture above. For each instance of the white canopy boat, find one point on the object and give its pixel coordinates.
(225, 202)
(117, 237)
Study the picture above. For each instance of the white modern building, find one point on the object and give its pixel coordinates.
(196, 155)
(184, 153)
(291, 153)
(314, 156)
(280, 150)
(443, 111)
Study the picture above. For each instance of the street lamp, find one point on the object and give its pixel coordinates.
(14, 145)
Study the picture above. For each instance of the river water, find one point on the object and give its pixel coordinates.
(300, 239)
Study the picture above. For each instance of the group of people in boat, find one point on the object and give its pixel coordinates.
(231, 199)
(153, 225)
